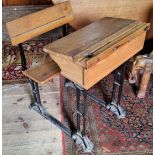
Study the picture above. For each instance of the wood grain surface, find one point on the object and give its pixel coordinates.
(43, 72)
(94, 39)
(37, 23)
(122, 54)
(87, 11)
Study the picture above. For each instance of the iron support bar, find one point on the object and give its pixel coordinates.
(91, 96)
(97, 100)
(49, 117)
(114, 106)
(38, 107)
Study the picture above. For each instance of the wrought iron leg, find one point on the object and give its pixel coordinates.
(22, 56)
(36, 96)
(114, 106)
(65, 30)
(78, 109)
(121, 83)
(38, 107)
(36, 104)
(84, 112)
(82, 138)
(34, 85)
(33, 88)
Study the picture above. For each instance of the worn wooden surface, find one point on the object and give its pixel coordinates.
(88, 51)
(118, 57)
(81, 40)
(112, 45)
(37, 23)
(88, 11)
(24, 131)
(43, 72)
(92, 38)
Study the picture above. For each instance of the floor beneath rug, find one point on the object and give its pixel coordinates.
(24, 132)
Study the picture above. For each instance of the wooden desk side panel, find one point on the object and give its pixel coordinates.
(70, 70)
(118, 57)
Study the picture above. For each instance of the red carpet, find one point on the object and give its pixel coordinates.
(111, 136)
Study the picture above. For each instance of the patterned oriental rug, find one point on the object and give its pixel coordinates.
(11, 63)
(112, 136)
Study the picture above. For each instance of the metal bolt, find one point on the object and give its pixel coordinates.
(88, 55)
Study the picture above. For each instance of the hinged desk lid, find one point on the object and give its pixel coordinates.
(87, 45)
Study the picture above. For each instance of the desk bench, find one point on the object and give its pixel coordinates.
(83, 57)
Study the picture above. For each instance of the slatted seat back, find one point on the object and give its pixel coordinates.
(35, 24)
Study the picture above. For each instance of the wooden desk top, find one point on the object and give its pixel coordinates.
(87, 45)
(89, 54)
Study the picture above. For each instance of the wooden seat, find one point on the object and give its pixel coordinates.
(43, 72)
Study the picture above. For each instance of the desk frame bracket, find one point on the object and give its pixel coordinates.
(114, 106)
(77, 136)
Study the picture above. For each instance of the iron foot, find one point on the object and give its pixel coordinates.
(117, 109)
(84, 141)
